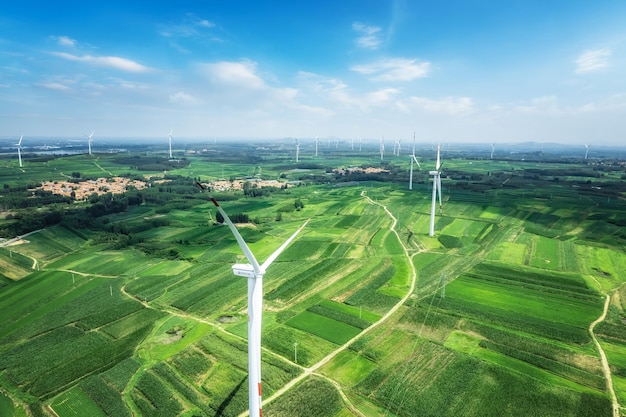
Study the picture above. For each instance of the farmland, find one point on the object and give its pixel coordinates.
(131, 308)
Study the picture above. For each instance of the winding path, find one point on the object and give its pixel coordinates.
(605, 362)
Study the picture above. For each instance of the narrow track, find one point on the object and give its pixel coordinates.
(605, 363)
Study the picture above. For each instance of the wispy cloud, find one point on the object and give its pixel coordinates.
(592, 61)
(115, 62)
(65, 41)
(54, 86)
(395, 69)
(190, 26)
(181, 97)
(369, 36)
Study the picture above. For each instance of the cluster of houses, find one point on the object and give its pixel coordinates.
(83, 189)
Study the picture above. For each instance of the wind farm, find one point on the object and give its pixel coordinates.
(167, 330)
(330, 209)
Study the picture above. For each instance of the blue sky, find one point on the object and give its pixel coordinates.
(452, 71)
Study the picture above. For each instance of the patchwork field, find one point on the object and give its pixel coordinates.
(141, 315)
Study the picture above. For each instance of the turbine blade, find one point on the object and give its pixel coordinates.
(439, 189)
(417, 162)
(438, 159)
(282, 247)
(242, 243)
(20, 142)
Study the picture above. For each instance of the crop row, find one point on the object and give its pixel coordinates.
(181, 386)
(324, 327)
(437, 382)
(566, 371)
(368, 296)
(313, 397)
(192, 363)
(522, 322)
(305, 280)
(563, 281)
(107, 397)
(339, 316)
(154, 398)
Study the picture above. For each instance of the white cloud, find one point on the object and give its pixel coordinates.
(242, 74)
(181, 97)
(369, 35)
(65, 41)
(394, 69)
(115, 62)
(592, 61)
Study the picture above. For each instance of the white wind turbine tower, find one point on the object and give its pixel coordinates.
(586, 151)
(491, 151)
(297, 150)
(170, 137)
(89, 141)
(254, 272)
(19, 149)
(382, 149)
(360, 144)
(317, 141)
(351, 144)
(436, 186)
(413, 158)
(398, 151)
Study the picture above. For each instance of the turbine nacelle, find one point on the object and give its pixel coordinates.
(246, 271)
(433, 172)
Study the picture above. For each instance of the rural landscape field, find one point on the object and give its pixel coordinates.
(125, 304)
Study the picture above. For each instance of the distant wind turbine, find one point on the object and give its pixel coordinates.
(491, 151)
(19, 149)
(382, 149)
(436, 186)
(89, 141)
(317, 141)
(254, 272)
(413, 158)
(170, 137)
(586, 151)
(297, 150)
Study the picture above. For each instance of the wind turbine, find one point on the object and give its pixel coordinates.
(382, 149)
(254, 272)
(436, 186)
(170, 137)
(19, 149)
(297, 150)
(89, 141)
(317, 141)
(398, 151)
(413, 158)
(491, 151)
(351, 144)
(586, 151)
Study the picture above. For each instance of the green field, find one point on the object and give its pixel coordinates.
(136, 311)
